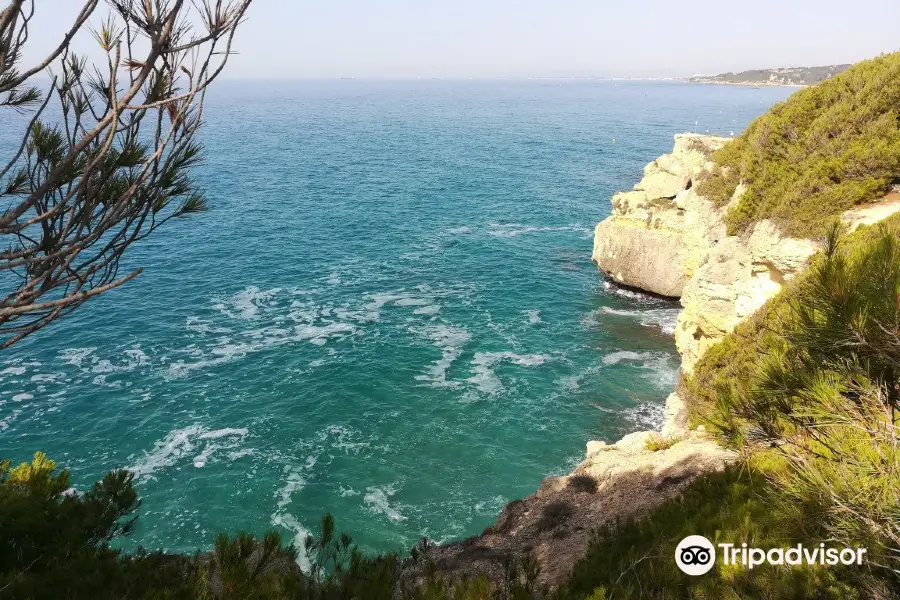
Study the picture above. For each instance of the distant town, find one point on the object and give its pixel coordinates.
(798, 76)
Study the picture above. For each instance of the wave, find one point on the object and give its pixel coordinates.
(182, 443)
(486, 380)
(615, 358)
(429, 310)
(46, 377)
(291, 523)
(534, 317)
(75, 356)
(465, 230)
(378, 501)
(261, 339)
(616, 290)
(344, 438)
(646, 417)
(664, 319)
(509, 230)
(660, 367)
(247, 303)
(451, 341)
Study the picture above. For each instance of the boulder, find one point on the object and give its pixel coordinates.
(642, 258)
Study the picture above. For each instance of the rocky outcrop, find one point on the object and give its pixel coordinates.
(617, 481)
(663, 237)
(737, 277)
(659, 232)
(677, 245)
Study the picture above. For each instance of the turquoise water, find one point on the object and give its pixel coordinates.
(388, 313)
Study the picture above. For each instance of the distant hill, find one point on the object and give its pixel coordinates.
(785, 76)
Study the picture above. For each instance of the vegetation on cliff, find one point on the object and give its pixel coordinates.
(783, 76)
(825, 150)
(56, 543)
(809, 387)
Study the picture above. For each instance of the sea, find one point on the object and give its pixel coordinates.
(389, 311)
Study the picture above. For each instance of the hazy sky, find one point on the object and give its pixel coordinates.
(501, 38)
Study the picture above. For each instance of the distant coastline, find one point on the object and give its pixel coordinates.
(745, 83)
(782, 77)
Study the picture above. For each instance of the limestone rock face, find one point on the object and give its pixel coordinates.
(659, 232)
(738, 276)
(641, 258)
(665, 238)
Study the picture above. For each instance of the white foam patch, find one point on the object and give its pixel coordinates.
(292, 524)
(660, 367)
(460, 230)
(46, 377)
(183, 443)
(22, 397)
(664, 319)
(260, 339)
(377, 302)
(431, 309)
(534, 317)
(412, 302)
(236, 454)
(510, 230)
(614, 289)
(451, 341)
(486, 380)
(646, 416)
(226, 432)
(135, 359)
(75, 356)
(294, 482)
(343, 438)
(615, 358)
(378, 501)
(572, 383)
(13, 371)
(247, 303)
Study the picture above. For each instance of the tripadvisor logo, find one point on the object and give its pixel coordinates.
(696, 555)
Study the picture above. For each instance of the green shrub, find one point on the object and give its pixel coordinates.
(54, 544)
(636, 559)
(827, 396)
(657, 442)
(582, 482)
(727, 370)
(554, 514)
(826, 149)
(808, 388)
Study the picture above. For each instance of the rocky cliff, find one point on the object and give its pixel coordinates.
(660, 232)
(663, 237)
